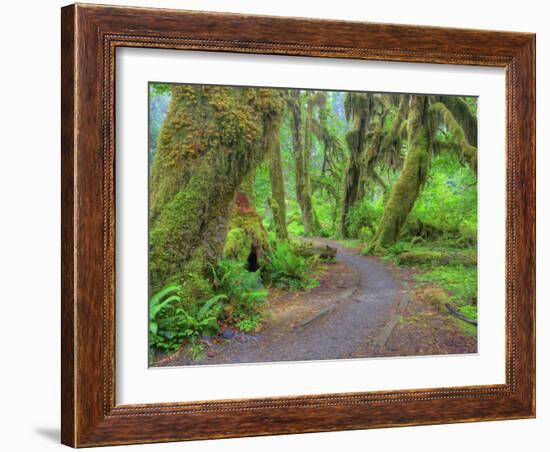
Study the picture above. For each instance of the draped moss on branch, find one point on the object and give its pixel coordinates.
(459, 141)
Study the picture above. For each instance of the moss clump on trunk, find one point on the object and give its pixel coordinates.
(247, 239)
(212, 138)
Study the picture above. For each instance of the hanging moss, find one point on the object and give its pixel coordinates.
(467, 152)
(358, 110)
(463, 114)
(393, 136)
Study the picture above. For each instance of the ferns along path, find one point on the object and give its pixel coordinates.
(345, 328)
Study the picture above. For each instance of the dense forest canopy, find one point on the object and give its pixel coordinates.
(238, 172)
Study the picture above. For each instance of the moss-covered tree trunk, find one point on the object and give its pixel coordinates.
(211, 139)
(277, 201)
(313, 220)
(358, 110)
(301, 156)
(406, 189)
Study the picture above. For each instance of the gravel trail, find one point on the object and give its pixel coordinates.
(348, 330)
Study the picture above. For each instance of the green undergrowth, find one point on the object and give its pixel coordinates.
(170, 323)
(465, 327)
(236, 299)
(459, 282)
(245, 291)
(286, 269)
(408, 253)
(452, 269)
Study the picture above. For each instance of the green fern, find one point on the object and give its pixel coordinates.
(287, 269)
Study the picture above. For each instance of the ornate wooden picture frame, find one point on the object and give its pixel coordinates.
(90, 37)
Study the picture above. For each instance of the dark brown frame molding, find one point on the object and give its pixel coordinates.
(90, 35)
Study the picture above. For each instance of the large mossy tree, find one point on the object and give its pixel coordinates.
(427, 115)
(211, 139)
(358, 110)
(301, 104)
(277, 201)
(413, 175)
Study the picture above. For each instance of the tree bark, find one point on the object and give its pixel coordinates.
(356, 143)
(211, 139)
(301, 156)
(277, 201)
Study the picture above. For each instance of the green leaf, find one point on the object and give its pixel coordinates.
(156, 298)
(154, 310)
(206, 307)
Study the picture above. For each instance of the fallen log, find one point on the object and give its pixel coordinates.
(421, 257)
(310, 250)
(460, 316)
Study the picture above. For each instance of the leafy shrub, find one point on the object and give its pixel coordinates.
(294, 218)
(447, 206)
(160, 303)
(286, 269)
(327, 214)
(170, 323)
(250, 324)
(363, 217)
(242, 289)
(393, 251)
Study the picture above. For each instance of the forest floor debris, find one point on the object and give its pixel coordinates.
(425, 326)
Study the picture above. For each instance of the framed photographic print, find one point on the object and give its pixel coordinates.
(280, 225)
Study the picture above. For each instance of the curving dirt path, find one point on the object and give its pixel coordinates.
(340, 321)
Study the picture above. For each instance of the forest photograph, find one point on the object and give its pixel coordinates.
(292, 224)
